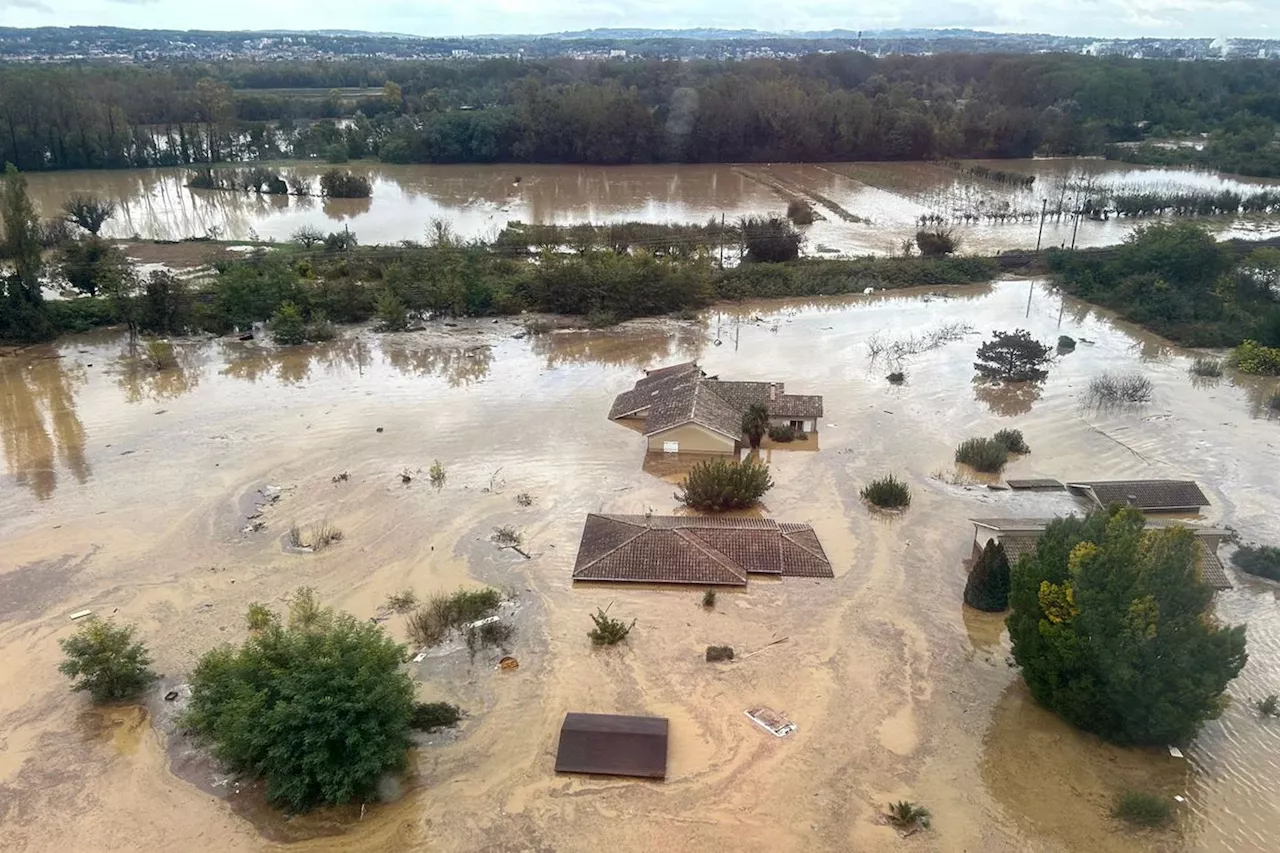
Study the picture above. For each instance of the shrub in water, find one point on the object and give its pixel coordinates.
(1066, 343)
(608, 631)
(1113, 389)
(982, 454)
(782, 433)
(721, 484)
(897, 377)
(1253, 357)
(719, 653)
(887, 492)
(936, 244)
(1143, 809)
(441, 614)
(800, 211)
(709, 598)
(1269, 706)
(1260, 560)
(429, 716)
(908, 815)
(105, 660)
(988, 586)
(1012, 440)
(1207, 367)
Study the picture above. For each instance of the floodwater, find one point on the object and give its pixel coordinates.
(864, 207)
(122, 491)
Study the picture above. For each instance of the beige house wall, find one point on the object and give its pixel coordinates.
(810, 424)
(692, 438)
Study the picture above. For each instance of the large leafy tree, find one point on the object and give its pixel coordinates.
(1112, 629)
(318, 707)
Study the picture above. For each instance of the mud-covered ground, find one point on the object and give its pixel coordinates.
(126, 491)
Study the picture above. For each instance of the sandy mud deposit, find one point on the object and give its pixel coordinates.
(126, 491)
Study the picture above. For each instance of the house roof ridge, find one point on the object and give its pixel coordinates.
(718, 557)
(640, 531)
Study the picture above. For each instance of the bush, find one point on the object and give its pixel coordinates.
(336, 183)
(715, 654)
(1114, 389)
(770, 240)
(1253, 357)
(392, 316)
(429, 716)
(1269, 705)
(782, 433)
(709, 598)
(608, 631)
(906, 815)
(318, 709)
(259, 617)
(897, 377)
(988, 586)
(105, 660)
(1260, 560)
(887, 492)
(287, 327)
(437, 474)
(507, 536)
(1112, 628)
(937, 244)
(1143, 809)
(402, 602)
(1013, 357)
(1012, 440)
(1208, 367)
(1066, 343)
(800, 211)
(722, 484)
(432, 622)
(983, 454)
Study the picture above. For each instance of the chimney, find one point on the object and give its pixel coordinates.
(773, 391)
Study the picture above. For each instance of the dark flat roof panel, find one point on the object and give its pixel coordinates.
(613, 745)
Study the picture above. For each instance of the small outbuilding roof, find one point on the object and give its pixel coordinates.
(613, 745)
(707, 551)
(1148, 495)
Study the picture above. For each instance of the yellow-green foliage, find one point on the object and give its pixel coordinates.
(1253, 357)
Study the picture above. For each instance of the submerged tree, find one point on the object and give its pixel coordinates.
(1112, 628)
(107, 661)
(1013, 357)
(24, 315)
(755, 423)
(88, 212)
(988, 585)
(770, 239)
(317, 707)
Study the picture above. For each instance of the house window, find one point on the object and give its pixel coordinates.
(798, 426)
(670, 447)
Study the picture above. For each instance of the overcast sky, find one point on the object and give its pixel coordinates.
(1103, 18)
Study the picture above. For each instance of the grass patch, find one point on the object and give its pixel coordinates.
(1142, 809)
(440, 615)
(887, 493)
(1260, 560)
(983, 454)
(1116, 389)
(1210, 368)
(608, 631)
(1012, 440)
(323, 535)
(429, 716)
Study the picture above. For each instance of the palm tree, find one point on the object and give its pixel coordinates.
(755, 423)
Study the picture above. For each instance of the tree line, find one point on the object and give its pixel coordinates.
(840, 106)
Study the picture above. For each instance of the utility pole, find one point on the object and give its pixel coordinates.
(1044, 208)
(1076, 228)
(722, 240)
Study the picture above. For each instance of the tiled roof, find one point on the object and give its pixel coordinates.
(1144, 494)
(1020, 535)
(1043, 485)
(711, 551)
(677, 395)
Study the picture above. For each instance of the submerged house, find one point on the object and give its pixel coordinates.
(613, 745)
(701, 550)
(685, 411)
(1020, 535)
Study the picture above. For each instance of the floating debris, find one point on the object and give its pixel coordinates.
(771, 721)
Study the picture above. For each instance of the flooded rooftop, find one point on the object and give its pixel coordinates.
(123, 490)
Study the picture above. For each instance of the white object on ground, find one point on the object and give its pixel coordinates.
(419, 657)
(488, 620)
(772, 722)
(1175, 752)
(80, 614)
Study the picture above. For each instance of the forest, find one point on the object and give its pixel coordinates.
(820, 107)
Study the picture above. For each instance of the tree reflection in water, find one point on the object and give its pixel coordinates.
(39, 425)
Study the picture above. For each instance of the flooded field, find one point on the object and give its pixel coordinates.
(124, 490)
(864, 207)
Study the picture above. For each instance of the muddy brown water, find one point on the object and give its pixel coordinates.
(864, 207)
(122, 491)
